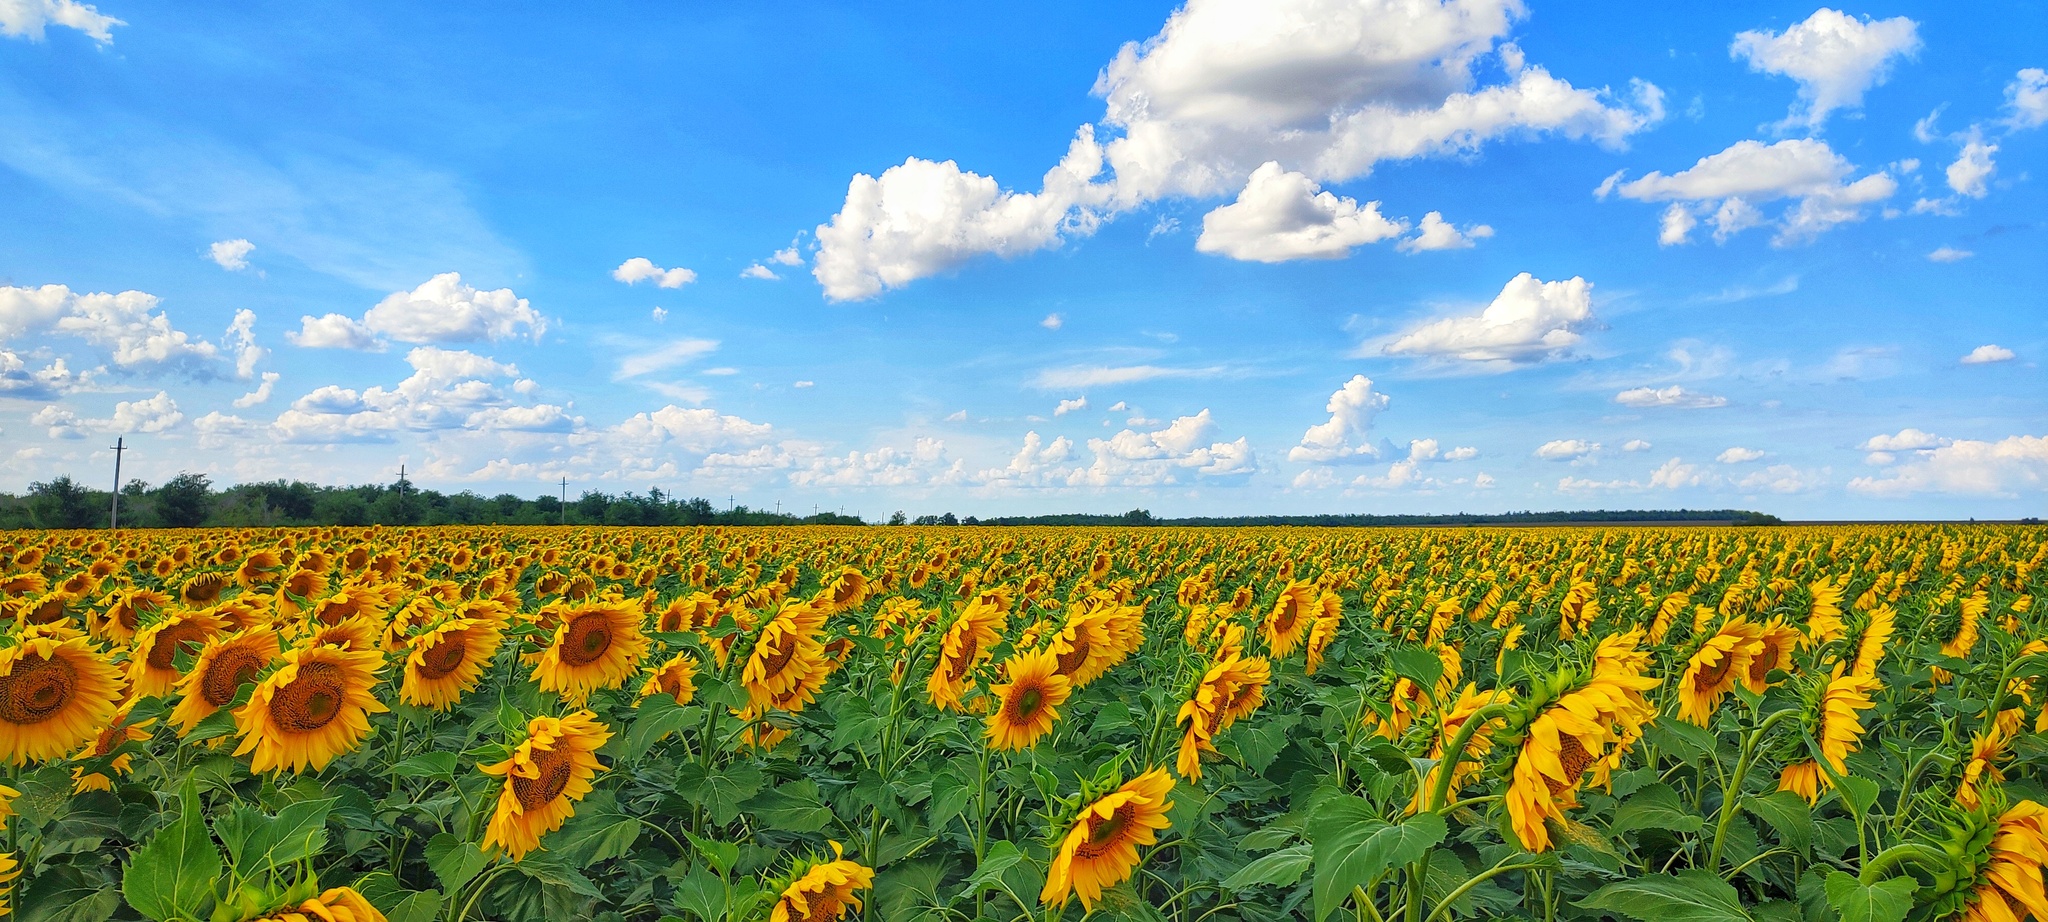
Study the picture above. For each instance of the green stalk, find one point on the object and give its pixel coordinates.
(1731, 791)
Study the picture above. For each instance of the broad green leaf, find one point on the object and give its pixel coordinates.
(420, 906)
(1884, 901)
(793, 807)
(657, 717)
(1001, 857)
(599, 831)
(1278, 869)
(428, 765)
(720, 791)
(173, 875)
(1859, 792)
(1689, 743)
(550, 868)
(61, 894)
(1654, 807)
(1689, 896)
(950, 795)
(257, 842)
(1788, 814)
(1417, 665)
(214, 726)
(701, 894)
(1353, 846)
(454, 861)
(721, 855)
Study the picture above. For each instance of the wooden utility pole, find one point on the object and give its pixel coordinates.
(565, 501)
(114, 516)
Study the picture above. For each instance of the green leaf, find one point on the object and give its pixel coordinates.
(721, 855)
(173, 875)
(213, 726)
(793, 807)
(719, 791)
(950, 794)
(1417, 665)
(257, 841)
(1884, 901)
(1689, 896)
(1788, 814)
(1690, 743)
(454, 861)
(1654, 807)
(428, 765)
(1279, 869)
(599, 831)
(1353, 846)
(549, 867)
(1860, 793)
(1001, 857)
(62, 894)
(701, 894)
(420, 906)
(657, 717)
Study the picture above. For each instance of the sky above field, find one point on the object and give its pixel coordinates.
(1228, 257)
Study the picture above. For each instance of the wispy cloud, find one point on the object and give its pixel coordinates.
(1075, 376)
(663, 357)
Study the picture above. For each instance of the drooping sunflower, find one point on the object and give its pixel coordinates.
(1775, 642)
(965, 644)
(55, 694)
(339, 904)
(1987, 750)
(1571, 733)
(2009, 885)
(9, 870)
(217, 674)
(546, 772)
(1871, 640)
(1824, 618)
(445, 661)
(1028, 704)
(1207, 711)
(1714, 669)
(313, 709)
(1084, 647)
(1100, 850)
(1834, 719)
(117, 732)
(824, 891)
(1470, 700)
(787, 656)
(1968, 621)
(153, 668)
(1289, 620)
(597, 645)
(1329, 617)
(676, 678)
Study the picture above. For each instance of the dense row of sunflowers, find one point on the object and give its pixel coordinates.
(812, 723)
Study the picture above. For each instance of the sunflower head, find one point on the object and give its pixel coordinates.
(1098, 849)
(1028, 703)
(819, 890)
(311, 710)
(56, 693)
(545, 773)
(445, 661)
(596, 645)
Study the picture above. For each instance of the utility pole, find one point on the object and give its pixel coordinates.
(565, 501)
(114, 517)
(401, 493)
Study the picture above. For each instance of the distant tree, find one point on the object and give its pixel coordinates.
(948, 519)
(63, 503)
(897, 518)
(591, 506)
(1139, 517)
(184, 501)
(342, 507)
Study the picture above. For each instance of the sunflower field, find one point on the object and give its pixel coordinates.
(1025, 724)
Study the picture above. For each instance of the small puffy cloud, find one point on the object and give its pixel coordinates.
(1834, 57)
(261, 394)
(758, 271)
(55, 379)
(1908, 439)
(663, 357)
(921, 218)
(1053, 321)
(1783, 478)
(1726, 187)
(1529, 321)
(1435, 233)
(641, 269)
(1461, 453)
(1949, 254)
(29, 18)
(1987, 354)
(332, 331)
(1633, 445)
(1738, 455)
(1282, 216)
(1674, 474)
(804, 384)
(441, 310)
(150, 415)
(1346, 434)
(1070, 406)
(232, 255)
(787, 256)
(659, 314)
(1566, 449)
(2010, 466)
(1971, 172)
(2026, 99)
(1673, 396)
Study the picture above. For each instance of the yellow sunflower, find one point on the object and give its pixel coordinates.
(218, 673)
(1329, 617)
(824, 891)
(118, 731)
(1290, 618)
(1569, 736)
(549, 769)
(1029, 702)
(340, 904)
(445, 661)
(126, 610)
(55, 694)
(1207, 710)
(676, 678)
(965, 644)
(314, 708)
(787, 656)
(9, 870)
(1470, 700)
(1713, 670)
(1987, 750)
(1775, 642)
(1083, 647)
(2009, 887)
(152, 670)
(597, 645)
(1101, 849)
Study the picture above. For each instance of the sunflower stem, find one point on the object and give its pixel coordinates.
(1731, 789)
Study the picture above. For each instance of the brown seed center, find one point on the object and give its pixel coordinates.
(551, 776)
(444, 657)
(183, 635)
(311, 700)
(225, 674)
(588, 637)
(1107, 834)
(37, 690)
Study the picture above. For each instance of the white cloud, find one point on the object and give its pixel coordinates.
(332, 331)
(1738, 455)
(697, 430)
(1673, 396)
(1529, 321)
(1908, 439)
(1949, 254)
(921, 218)
(659, 314)
(1053, 321)
(28, 18)
(1345, 435)
(261, 394)
(53, 379)
(62, 423)
(149, 415)
(1987, 354)
(1783, 478)
(1674, 474)
(441, 310)
(2026, 98)
(1070, 406)
(1566, 449)
(241, 340)
(758, 271)
(804, 384)
(1635, 445)
(787, 256)
(1435, 233)
(1129, 458)
(1282, 216)
(1971, 173)
(2007, 467)
(1461, 453)
(232, 255)
(1835, 58)
(640, 269)
(449, 389)
(1726, 187)
(134, 335)
(663, 357)
(1085, 376)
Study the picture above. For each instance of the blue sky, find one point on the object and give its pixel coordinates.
(1227, 257)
